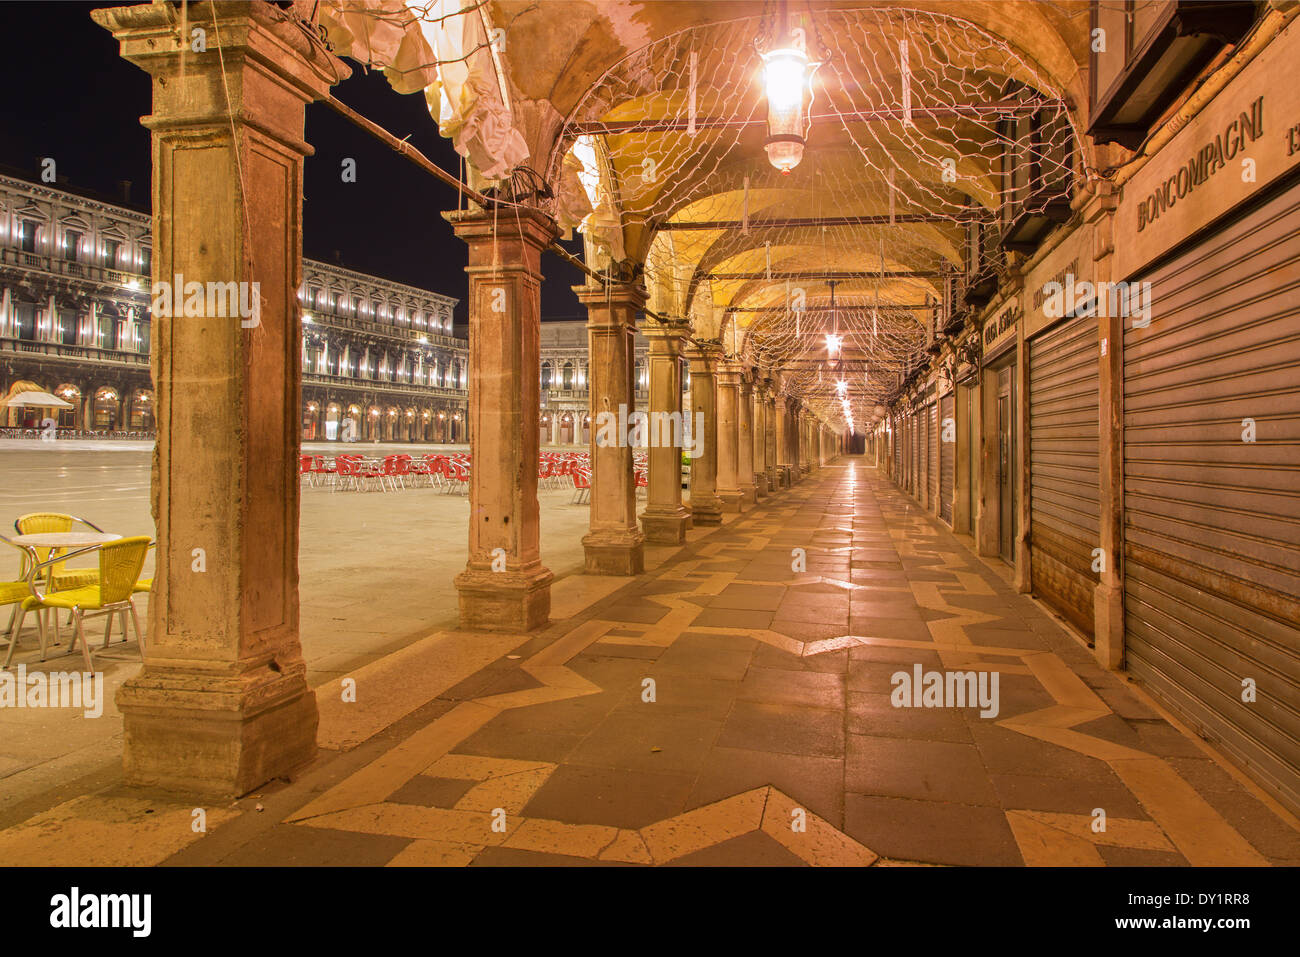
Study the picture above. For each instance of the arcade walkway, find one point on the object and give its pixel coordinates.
(771, 738)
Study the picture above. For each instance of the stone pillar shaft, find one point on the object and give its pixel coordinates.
(769, 428)
(504, 586)
(615, 545)
(792, 433)
(665, 520)
(759, 417)
(728, 432)
(706, 507)
(745, 440)
(222, 705)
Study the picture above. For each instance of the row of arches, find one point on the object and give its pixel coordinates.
(95, 407)
(330, 420)
(565, 427)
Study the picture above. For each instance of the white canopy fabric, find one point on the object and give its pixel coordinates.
(40, 400)
(443, 48)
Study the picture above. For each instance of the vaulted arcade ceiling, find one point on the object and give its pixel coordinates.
(648, 122)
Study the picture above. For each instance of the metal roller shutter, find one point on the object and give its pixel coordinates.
(932, 457)
(1212, 519)
(1064, 479)
(947, 456)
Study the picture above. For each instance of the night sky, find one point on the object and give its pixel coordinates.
(78, 101)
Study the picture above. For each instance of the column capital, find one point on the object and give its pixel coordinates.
(479, 227)
(728, 372)
(631, 295)
(249, 35)
(703, 355)
(678, 330)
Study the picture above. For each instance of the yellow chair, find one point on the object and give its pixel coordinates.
(59, 577)
(15, 593)
(120, 562)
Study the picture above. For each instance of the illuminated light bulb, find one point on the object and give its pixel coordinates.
(833, 344)
(787, 74)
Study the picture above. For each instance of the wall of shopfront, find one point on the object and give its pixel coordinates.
(1211, 413)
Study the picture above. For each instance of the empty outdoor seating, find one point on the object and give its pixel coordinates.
(120, 563)
(581, 486)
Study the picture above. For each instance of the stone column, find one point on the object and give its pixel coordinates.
(733, 500)
(665, 520)
(505, 586)
(782, 432)
(615, 545)
(706, 507)
(745, 440)
(759, 416)
(222, 704)
(792, 433)
(769, 429)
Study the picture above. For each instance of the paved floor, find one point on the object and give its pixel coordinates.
(728, 707)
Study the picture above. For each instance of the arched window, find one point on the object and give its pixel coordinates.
(546, 375)
(568, 375)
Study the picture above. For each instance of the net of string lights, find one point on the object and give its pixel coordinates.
(801, 182)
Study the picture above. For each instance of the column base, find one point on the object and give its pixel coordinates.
(667, 527)
(760, 484)
(504, 601)
(749, 494)
(1108, 617)
(732, 502)
(608, 555)
(216, 735)
(1021, 581)
(705, 512)
(773, 483)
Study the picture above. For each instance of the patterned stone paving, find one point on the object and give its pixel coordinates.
(771, 738)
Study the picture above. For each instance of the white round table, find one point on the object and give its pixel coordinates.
(64, 539)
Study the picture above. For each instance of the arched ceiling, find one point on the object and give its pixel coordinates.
(869, 220)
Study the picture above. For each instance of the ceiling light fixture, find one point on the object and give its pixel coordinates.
(787, 82)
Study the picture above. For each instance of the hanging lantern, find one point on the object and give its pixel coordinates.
(787, 81)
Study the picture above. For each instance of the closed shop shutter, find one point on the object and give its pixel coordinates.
(1064, 498)
(1212, 512)
(947, 456)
